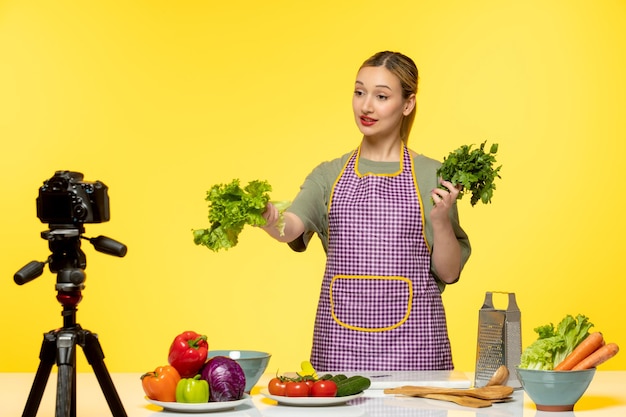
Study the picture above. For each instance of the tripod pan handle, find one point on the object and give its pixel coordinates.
(29, 272)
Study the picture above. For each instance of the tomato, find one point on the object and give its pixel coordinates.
(309, 383)
(323, 388)
(297, 389)
(276, 386)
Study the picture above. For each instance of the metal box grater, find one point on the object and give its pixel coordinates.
(499, 340)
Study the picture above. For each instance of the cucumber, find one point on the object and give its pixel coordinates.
(352, 385)
(338, 378)
(326, 377)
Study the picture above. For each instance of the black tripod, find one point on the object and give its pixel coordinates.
(59, 346)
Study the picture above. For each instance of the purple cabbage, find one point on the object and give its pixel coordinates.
(225, 377)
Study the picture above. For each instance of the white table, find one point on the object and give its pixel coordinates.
(605, 397)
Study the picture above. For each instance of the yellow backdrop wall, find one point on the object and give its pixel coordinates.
(160, 100)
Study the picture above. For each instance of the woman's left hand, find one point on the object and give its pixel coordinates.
(443, 200)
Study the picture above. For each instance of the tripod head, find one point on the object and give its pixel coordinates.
(68, 260)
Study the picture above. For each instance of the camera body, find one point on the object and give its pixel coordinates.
(65, 199)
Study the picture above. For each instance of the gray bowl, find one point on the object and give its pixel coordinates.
(555, 390)
(252, 362)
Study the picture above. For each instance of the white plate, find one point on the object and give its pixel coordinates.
(309, 401)
(199, 407)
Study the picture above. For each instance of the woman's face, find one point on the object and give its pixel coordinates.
(378, 104)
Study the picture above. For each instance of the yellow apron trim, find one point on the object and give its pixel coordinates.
(368, 329)
(393, 174)
(422, 208)
(356, 171)
(332, 192)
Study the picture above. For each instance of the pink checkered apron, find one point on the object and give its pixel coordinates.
(379, 306)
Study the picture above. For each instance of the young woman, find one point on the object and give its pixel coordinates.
(391, 236)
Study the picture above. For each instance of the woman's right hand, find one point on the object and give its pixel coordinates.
(293, 225)
(270, 215)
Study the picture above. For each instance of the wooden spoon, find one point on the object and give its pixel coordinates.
(459, 399)
(499, 377)
(493, 392)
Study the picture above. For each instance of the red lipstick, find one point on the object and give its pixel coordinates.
(367, 121)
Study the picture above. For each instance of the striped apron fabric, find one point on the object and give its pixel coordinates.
(379, 306)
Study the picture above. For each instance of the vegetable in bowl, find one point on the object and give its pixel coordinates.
(555, 343)
(568, 347)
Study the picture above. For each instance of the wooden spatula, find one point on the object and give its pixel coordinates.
(494, 392)
(459, 399)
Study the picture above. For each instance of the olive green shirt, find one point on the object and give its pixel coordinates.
(311, 203)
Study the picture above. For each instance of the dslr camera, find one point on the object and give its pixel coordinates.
(65, 199)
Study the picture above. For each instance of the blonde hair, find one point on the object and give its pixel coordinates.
(405, 69)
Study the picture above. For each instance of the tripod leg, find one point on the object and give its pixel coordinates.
(66, 378)
(47, 357)
(95, 357)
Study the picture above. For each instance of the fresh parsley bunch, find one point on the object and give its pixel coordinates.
(231, 207)
(474, 169)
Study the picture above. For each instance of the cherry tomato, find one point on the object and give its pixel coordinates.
(297, 389)
(323, 388)
(277, 386)
(309, 383)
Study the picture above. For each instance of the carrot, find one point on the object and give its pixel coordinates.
(598, 357)
(585, 348)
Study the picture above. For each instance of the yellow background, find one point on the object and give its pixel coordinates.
(161, 100)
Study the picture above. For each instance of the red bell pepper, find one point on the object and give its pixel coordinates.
(188, 353)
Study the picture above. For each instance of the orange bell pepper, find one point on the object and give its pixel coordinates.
(160, 385)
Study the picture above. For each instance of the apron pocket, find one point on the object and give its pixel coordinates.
(370, 303)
